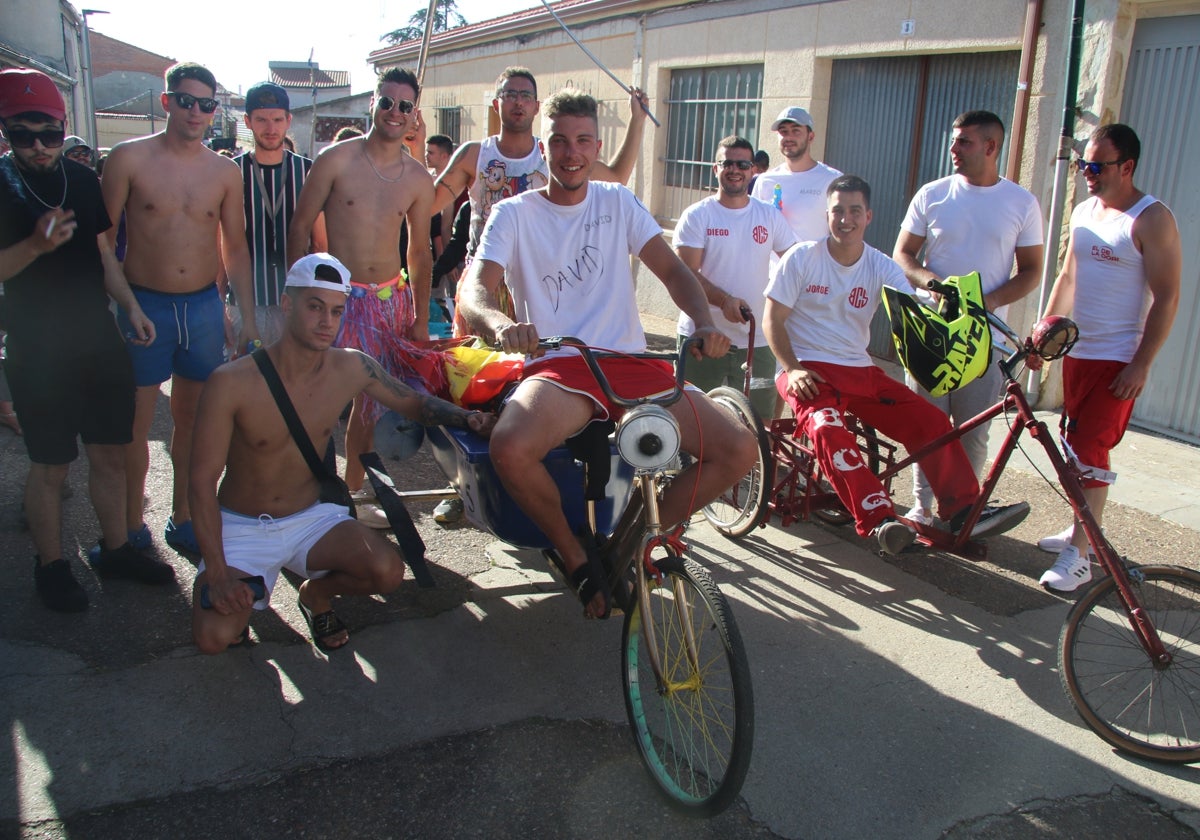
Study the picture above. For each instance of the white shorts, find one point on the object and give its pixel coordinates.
(264, 545)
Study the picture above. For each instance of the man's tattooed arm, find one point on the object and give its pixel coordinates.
(426, 410)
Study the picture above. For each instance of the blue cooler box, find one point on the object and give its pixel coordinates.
(463, 457)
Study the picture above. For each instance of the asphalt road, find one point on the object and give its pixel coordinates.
(913, 697)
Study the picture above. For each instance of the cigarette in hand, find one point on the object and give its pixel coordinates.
(50, 227)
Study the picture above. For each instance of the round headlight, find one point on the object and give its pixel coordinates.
(648, 437)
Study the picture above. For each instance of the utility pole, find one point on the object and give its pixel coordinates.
(312, 131)
(89, 82)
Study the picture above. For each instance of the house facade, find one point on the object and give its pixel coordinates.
(883, 82)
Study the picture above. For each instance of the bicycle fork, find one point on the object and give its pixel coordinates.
(652, 538)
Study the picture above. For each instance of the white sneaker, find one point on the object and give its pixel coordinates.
(1069, 572)
(919, 515)
(1055, 543)
(373, 517)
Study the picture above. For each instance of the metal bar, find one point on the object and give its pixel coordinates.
(598, 62)
(423, 56)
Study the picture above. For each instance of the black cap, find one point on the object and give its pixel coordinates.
(266, 95)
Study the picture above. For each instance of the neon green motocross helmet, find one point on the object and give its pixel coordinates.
(946, 347)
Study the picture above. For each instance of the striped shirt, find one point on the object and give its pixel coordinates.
(270, 203)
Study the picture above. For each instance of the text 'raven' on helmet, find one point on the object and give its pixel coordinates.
(946, 347)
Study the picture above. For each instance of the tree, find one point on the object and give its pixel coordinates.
(445, 16)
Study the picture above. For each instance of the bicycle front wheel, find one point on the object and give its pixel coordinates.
(739, 509)
(695, 727)
(1136, 705)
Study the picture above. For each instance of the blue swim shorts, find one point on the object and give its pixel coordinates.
(190, 338)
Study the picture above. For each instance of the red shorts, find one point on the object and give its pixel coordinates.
(628, 377)
(1093, 420)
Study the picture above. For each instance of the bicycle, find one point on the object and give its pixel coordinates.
(686, 681)
(1129, 651)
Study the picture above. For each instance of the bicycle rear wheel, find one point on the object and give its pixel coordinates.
(1138, 707)
(738, 510)
(695, 732)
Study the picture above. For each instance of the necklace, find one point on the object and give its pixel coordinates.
(380, 175)
(33, 193)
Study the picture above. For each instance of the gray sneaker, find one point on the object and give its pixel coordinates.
(893, 536)
(448, 511)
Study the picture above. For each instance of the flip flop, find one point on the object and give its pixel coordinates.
(322, 626)
(590, 579)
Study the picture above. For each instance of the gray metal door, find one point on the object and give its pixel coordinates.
(889, 122)
(1162, 104)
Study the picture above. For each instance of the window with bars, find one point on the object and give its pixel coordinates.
(705, 105)
(449, 122)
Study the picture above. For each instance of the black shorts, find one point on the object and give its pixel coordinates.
(81, 386)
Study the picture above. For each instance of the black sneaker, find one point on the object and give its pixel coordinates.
(57, 587)
(130, 564)
(992, 520)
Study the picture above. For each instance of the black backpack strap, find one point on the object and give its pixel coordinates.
(591, 447)
(303, 441)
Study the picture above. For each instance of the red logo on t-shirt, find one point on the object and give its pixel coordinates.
(760, 234)
(858, 297)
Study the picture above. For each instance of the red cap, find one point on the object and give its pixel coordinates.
(29, 90)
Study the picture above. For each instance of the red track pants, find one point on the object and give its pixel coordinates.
(879, 401)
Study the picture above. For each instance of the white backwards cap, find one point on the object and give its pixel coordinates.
(320, 271)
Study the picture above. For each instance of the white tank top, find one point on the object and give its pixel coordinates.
(498, 177)
(1111, 294)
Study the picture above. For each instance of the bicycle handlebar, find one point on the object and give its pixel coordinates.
(591, 357)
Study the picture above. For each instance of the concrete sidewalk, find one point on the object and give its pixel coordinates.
(888, 703)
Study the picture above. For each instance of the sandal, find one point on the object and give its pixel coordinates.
(9, 418)
(322, 626)
(242, 640)
(589, 580)
(181, 537)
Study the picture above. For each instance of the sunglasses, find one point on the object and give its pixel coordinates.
(740, 164)
(186, 101)
(512, 96)
(386, 103)
(1095, 167)
(24, 138)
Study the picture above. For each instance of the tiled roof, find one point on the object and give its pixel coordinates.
(298, 77)
(533, 11)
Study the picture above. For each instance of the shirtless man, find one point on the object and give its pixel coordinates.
(177, 196)
(367, 186)
(266, 515)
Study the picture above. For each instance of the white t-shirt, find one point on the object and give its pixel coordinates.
(802, 196)
(568, 266)
(832, 304)
(1111, 294)
(969, 228)
(737, 245)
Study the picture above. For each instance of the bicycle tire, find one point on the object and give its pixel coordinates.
(1122, 696)
(695, 736)
(740, 508)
